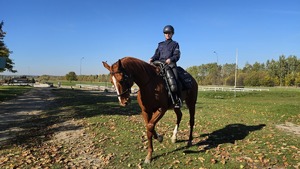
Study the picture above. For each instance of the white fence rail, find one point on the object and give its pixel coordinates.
(231, 89)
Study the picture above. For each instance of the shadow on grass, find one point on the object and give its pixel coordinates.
(228, 134)
(91, 103)
(32, 130)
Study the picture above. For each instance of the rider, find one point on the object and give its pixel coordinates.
(168, 52)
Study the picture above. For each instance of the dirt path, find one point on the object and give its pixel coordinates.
(61, 142)
(14, 112)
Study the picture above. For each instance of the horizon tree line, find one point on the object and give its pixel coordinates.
(283, 72)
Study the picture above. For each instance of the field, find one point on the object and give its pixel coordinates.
(230, 132)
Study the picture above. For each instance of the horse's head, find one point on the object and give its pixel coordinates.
(121, 80)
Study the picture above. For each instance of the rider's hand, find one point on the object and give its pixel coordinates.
(168, 61)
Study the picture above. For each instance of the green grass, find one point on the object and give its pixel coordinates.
(230, 132)
(240, 132)
(10, 92)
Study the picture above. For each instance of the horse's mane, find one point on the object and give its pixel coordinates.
(132, 64)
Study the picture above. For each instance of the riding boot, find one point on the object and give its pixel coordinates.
(178, 102)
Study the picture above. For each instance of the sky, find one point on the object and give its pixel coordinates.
(54, 37)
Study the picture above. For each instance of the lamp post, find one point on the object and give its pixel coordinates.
(236, 69)
(217, 68)
(217, 56)
(80, 65)
(80, 70)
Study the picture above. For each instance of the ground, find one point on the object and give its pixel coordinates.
(16, 115)
(290, 127)
(78, 145)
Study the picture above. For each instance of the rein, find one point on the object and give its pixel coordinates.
(124, 92)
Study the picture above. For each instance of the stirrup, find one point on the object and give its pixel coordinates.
(178, 103)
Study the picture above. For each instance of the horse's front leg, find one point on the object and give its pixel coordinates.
(150, 142)
(152, 133)
(179, 116)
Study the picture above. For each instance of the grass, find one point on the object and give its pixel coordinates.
(10, 92)
(230, 132)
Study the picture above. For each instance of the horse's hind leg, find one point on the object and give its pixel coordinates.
(158, 137)
(179, 116)
(192, 123)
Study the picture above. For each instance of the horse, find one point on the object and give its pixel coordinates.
(152, 96)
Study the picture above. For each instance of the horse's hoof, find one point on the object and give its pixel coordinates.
(160, 138)
(147, 161)
(189, 143)
(173, 140)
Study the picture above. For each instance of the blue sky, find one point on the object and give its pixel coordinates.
(51, 36)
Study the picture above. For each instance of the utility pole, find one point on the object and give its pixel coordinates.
(80, 65)
(217, 68)
(236, 69)
(80, 70)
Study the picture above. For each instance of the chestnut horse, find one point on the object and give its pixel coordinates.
(152, 96)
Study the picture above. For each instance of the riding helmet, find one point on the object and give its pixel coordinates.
(168, 29)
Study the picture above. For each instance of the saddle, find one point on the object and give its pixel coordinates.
(183, 76)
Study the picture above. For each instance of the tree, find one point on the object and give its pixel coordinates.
(252, 79)
(196, 72)
(297, 79)
(5, 52)
(273, 70)
(71, 76)
(44, 78)
(293, 64)
(290, 79)
(229, 80)
(228, 74)
(283, 69)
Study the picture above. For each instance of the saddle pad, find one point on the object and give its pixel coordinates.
(184, 77)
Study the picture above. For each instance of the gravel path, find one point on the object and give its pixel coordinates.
(14, 112)
(69, 144)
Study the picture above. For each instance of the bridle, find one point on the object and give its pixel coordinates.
(125, 78)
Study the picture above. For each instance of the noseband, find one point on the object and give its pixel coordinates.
(124, 80)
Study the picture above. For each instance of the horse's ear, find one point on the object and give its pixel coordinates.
(120, 64)
(106, 65)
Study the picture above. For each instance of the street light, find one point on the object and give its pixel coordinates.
(236, 69)
(217, 68)
(217, 56)
(80, 65)
(80, 70)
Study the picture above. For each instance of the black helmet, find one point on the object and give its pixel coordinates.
(168, 29)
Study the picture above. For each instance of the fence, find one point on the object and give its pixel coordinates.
(239, 89)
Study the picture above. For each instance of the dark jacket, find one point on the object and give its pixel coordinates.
(167, 49)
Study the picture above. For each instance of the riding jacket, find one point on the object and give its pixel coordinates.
(167, 49)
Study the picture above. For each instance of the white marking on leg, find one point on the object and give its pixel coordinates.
(115, 84)
(174, 137)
